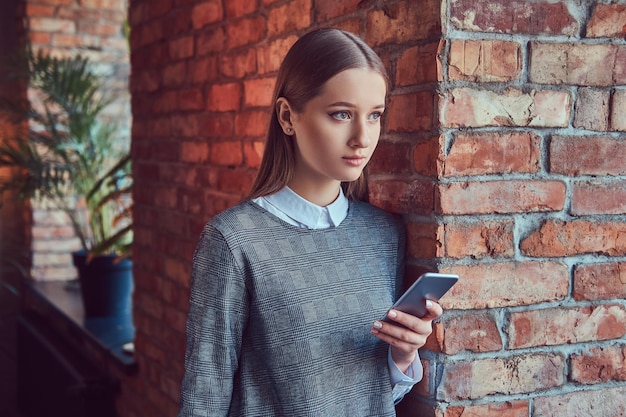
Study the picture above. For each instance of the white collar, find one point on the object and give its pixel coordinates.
(298, 211)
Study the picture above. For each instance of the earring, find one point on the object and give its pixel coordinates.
(289, 130)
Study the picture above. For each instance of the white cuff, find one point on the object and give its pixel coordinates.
(402, 383)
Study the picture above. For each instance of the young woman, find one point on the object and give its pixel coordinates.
(288, 287)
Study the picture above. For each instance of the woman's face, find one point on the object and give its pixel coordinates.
(337, 131)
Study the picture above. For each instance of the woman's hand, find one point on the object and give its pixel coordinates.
(409, 335)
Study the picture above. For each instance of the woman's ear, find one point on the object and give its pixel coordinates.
(284, 113)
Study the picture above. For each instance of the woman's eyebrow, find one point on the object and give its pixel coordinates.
(352, 105)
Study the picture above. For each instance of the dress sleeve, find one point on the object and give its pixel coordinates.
(218, 311)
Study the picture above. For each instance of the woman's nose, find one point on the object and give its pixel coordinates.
(361, 135)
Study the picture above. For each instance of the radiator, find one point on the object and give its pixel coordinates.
(54, 379)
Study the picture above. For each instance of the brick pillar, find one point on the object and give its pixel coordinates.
(532, 198)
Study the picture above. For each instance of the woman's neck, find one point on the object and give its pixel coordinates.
(322, 195)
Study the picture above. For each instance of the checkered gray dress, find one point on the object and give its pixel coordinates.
(280, 316)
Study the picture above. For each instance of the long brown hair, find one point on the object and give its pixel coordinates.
(314, 59)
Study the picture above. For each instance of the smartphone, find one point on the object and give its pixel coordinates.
(429, 286)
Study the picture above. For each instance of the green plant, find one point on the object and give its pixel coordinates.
(70, 157)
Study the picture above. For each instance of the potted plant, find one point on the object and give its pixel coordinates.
(70, 159)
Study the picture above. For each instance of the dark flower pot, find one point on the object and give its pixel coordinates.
(106, 284)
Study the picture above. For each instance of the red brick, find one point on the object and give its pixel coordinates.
(557, 238)
(146, 172)
(191, 99)
(293, 15)
(202, 70)
(352, 25)
(474, 332)
(329, 9)
(39, 38)
(403, 22)
(166, 197)
(224, 97)
(592, 109)
(521, 17)
(236, 9)
(511, 375)
(103, 4)
(519, 408)
(172, 223)
(573, 63)
(146, 34)
(493, 153)
(607, 21)
(409, 196)
(182, 48)
(478, 240)
(252, 123)
(391, 158)
(103, 29)
(226, 153)
(210, 41)
(174, 75)
(507, 284)
(258, 92)
(176, 270)
(598, 197)
(559, 326)
(239, 65)
(484, 61)
(620, 67)
(466, 107)
(515, 196)
(217, 125)
(194, 152)
(52, 232)
(417, 65)
(165, 102)
(618, 107)
(39, 10)
(245, 31)
(424, 240)
(237, 182)
(587, 155)
(603, 281)
(149, 304)
(253, 152)
(609, 402)
(599, 365)
(52, 25)
(270, 55)
(428, 156)
(73, 41)
(206, 13)
(410, 112)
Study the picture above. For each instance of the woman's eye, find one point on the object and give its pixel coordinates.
(340, 115)
(376, 115)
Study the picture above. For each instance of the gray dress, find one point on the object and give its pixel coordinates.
(280, 317)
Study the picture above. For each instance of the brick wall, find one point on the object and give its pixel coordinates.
(502, 151)
(93, 28)
(531, 199)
